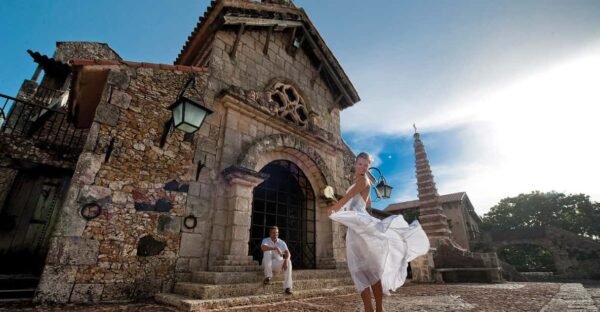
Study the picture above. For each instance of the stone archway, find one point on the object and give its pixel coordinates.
(288, 148)
(254, 155)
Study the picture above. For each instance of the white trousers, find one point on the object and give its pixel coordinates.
(272, 263)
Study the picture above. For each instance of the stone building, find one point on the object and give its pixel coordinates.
(115, 204)
(462, 219)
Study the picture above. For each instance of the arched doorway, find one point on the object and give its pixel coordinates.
(285, 199)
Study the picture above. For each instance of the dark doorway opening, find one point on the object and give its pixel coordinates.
(27, 219)
(285, 199)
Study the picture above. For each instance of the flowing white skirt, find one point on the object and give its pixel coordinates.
(380, 249)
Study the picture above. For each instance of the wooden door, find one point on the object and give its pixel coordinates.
(28, 217)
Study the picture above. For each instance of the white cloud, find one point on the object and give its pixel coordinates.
(535, 133)
(544, 132)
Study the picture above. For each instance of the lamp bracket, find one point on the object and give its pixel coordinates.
(166, 129)
(191, 80)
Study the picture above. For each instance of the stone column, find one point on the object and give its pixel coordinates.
(238, 210)
(422, 268)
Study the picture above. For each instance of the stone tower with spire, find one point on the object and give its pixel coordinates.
(445, 255)
(432, 217)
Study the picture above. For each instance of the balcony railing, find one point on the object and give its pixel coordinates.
(46, 126)
(47, 96)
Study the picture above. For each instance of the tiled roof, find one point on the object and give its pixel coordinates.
(79, 62)
(443, 199)
(219, 4)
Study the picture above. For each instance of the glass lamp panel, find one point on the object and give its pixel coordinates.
(178, 114)
(387, 191)
(378, 191)
(194, 115)
(185, 127)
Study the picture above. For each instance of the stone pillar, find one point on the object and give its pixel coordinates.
(238, 212)
(562, 262)
(431, 215)
(422, 268)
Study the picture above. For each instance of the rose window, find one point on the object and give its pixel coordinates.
(289, 104)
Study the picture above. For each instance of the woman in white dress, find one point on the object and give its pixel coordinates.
(377, 251)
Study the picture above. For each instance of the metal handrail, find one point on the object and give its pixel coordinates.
(46, 127)
(2, 95)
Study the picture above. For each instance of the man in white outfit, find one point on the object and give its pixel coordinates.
(276, 257)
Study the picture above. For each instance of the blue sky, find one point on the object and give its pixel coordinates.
(505, 93)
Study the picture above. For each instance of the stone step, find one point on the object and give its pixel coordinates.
(206, 291)
(185, 303)
(219, 278)
(571, 297)
(16, 288)
(236, 268)
(24, 293)
(232, 257)
(222, 262)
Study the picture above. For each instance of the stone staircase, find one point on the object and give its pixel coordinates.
(220, 290)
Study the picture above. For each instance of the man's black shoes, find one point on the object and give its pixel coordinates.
(267, 281)
(288, 291)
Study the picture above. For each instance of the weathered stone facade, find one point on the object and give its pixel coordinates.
(134, 187)
(462, 219)
(166, 213)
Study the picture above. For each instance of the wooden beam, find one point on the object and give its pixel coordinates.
(264, 22)
(293, 36)
(237, 40)
(316, 74)
(266, 48)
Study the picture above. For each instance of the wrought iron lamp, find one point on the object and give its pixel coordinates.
(187, 114)
(382, 189)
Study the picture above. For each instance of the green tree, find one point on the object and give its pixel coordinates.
(573, 212)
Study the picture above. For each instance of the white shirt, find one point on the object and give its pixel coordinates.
(279, 244)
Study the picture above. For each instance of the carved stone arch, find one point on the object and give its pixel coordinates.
(288, 101)
(285, 143)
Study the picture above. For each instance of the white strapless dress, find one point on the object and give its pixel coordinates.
(379, 249)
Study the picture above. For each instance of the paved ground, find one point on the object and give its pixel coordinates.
(416, 297)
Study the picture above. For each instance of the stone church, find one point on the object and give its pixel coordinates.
(109, 192)
(114, 203)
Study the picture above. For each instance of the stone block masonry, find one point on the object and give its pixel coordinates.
(130, 250)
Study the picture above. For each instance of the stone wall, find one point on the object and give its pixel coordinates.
(130, 250)
(574, 256)
(69, 50)
(456, 220)
(252, 70)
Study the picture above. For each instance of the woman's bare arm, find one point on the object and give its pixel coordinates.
(360, 186)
